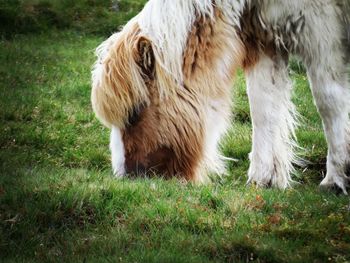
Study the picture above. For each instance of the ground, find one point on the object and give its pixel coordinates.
(60, 203)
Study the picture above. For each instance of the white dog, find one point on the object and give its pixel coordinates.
(163, 84)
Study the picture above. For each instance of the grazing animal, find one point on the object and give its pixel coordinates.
(163, 85)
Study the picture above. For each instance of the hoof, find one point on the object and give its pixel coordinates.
(260, 183)
(337, 185)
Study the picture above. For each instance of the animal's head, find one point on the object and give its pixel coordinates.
(157, 80)
(122, 76)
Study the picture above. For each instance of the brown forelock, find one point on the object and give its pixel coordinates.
(124, 87)
(167, 138)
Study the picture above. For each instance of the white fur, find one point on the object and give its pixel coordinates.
(332, 97)
(319, 44)
(216, 125)
(167, 23)
(269, 91)
(118, 152)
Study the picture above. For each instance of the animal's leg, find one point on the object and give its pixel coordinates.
(118, 152)
(273, 119)
(331, 91)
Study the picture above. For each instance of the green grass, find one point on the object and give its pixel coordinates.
(59, 202)
(88, 16)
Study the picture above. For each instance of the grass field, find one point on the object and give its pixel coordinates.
(59, 202)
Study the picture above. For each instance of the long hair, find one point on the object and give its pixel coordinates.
(164, 81)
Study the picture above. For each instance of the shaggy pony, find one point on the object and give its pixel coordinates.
(163, 85)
